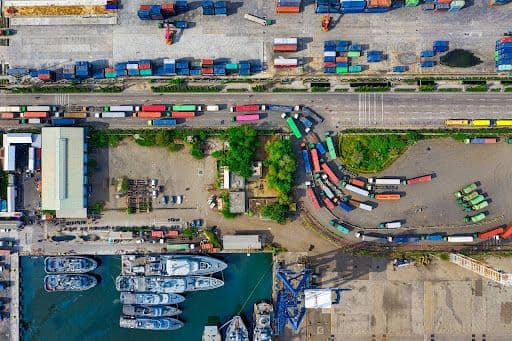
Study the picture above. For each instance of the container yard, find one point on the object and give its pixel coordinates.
(283, 26)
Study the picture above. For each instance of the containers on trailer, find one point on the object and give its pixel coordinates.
(316, 161)
(386, 196)
(503, 123)
(162, 122)
(457, 122)
(244, 108)
(186, 107)
(479, 206)
(460, 239)
(481, 123)
(476, 218)
(340, 227)
(245, 118)
(13, 108)
(307, 164)
(7, 115)
(328, 203)
(39, 108)
(385, 181)
(276, 107)
(419, 179)
(346, 207)
(312, 197)
(507, 233)
(63, 121)
(357, 190)
(183, 114)
(390, 225)
(435, 237)
(491, 233)
(466, 190)
(332, 177)
(327, 191)
(34, 121)
(127, 108)
(113, 114)
(34, 114)
(78, 114)
(357, 182)
(320, 148)
(293, 127)
(153, 107)
(480, 140)
(148, 114)
(360, 205)
(212, 108)
(330, 147)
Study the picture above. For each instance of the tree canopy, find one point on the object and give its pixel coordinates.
(243, 142)
(281, 163)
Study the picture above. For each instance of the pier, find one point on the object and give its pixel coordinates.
(15, 297)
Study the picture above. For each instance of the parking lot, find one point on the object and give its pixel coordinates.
(401, 34)
(432, 206)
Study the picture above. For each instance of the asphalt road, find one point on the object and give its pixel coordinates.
(375, 110)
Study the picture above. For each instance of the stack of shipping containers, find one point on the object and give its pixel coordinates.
(182, 67)
(504, 54)
(208, 7)
(221, 8)
(327, 6)
(68, 72)
(121, 69)
(83, 69)
(353, 6)
(181, 6)
(132, 68)
(207, 67)
(288, 6)
(285, 45)
(378, 6)
(338, 54)
(46, 75)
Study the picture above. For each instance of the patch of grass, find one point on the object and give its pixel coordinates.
(319, 89)
(237, 90)
(478, 88)
(405, 90)
(373, 153)
(341, 90)
(508, 89)
(289, 90)
(212, 238)
(427, 88)
(495, 90)
(367, 88)
(260, 88)
(97, 208)
(449, 89)
(186, 88)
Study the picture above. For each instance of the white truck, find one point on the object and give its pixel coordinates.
(390, 225)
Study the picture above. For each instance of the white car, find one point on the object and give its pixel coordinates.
(5, 230)
(179, 200)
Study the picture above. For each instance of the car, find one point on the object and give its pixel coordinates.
(165, 199)
(155, 194)
(196, 223)
(179, 199)
(5, 230)
(154, 183)
(172, 199)
(139, 241)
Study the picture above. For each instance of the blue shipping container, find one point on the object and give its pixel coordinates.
(307, 164)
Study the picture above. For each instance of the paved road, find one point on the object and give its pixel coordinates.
(377, 110)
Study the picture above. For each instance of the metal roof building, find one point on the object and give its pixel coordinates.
(241, 242)
(63, 164)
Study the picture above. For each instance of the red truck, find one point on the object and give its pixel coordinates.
(183, 114)
(149, 114)
(357, 182)
(154, 107)
(507, 233)
(247, 107)
(491, 233)
(419, 179)
(316, 162)
(313, 198)
(332, 177)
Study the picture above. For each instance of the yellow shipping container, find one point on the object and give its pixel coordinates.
(503, 123)
(481, 123)
(457, 122)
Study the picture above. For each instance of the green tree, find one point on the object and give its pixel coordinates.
(281, 163)
(276, 211)
(243, 142)
(162, 138)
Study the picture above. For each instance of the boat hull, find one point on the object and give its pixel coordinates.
(69, 282)
(69, 265)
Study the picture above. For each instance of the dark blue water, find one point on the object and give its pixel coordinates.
(94, 314)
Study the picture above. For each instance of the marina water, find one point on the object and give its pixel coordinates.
(94, 314)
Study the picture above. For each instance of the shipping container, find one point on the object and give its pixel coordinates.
(357, 182)
(31, 159)
(40, 108)
(328, 203)
(7, 115)
(481, 123)
(162, 122)
(332, 177)
(212, 108)
(330, 147)
(63, 121)
(357, 190)
(419, 179)
(360, 205)
(481, 141)
(183, 114)
(34, 114)
(307, 163)
(286, 62)
(284, 48)
(112, 114)
(507, 233)
(460, 239)
(435, 237)
(245, 118)
(346, 207)
(258, 20)
(503, 123)
(316, 162)
(127, 108)
(385, 181)
(386, 196)
(185, 107)
(153, 107)
(491, 233)
(313, 198)
(293, 127)
(340, 227)
(457, 123)
(178, 247)
(78, 114)
(244, 108)
(34, 121)
(14, 108)
(390, 225)
(148, 114)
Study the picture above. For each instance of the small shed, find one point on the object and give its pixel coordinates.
(318, 298)
(241, 242)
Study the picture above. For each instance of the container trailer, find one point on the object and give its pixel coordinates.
(478, 140)
(183, 114)
(507, 233)
(468, 197)
(15, 108)
(320, 147)
(332, 177)
(34, 121)
(282, 108)
(327, 191)
(154, 107)
(307, 164)
(360, 205)
(503, 123)
(402, 239)
(77, 114)
(482, 123)
(385, 181)
(463, 123)
(258, 20)
(435, 237)
(475, 201)
(63, 121)
(316, 161)
(460, 239)
(357, 182)
(390, 225)
(245, 108)
(186, 107)
(479, 206)
(293, 127)
(127, 108)
(491, 233)
(212, 108)
(328, 203)
(307, 123)
(419, 179)
(340, 227)
(466, 190)
(356, 189)
(313, 198)
(8, 115)
(34, 114)
(40, 108)
(371, 237)
(111, 114)
(162, 122)
(245, 118)
(476, 218)
(147, 114)
(386, 196)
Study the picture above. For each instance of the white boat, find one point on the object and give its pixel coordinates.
(263, 314)
(160, 284)
(211, 333)
(236, 330)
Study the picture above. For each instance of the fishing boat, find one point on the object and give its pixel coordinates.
(150, 298)
(69, 264)
(69, 282)
(263, 314)
(150, 310)
(211, 333)
(160, 284)
(236, 330)
(150, 323)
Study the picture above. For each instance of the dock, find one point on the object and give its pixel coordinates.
(15, 297)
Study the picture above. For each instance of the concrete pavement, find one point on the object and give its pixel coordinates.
(340, 110)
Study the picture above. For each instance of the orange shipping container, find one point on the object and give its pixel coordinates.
(7, 115)
(206, 246)
(287, 9)
(183, 114)
(172, 233)
(508, 232)
(341, 59)
(357, 182)
(387, 196)
(491, 233)
(35, 114)
(379, 3)
(149, 114)
(285, 48)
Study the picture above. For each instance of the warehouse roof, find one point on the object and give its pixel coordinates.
(241, 242)
(62, 165)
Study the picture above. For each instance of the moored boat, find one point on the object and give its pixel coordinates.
(150, 310)
(263, 315)
(146, 298)
(159, 284)
(211, 333)
(69, 282)
(69, 264)
(236, 330)
(150, 323)
(187, 265)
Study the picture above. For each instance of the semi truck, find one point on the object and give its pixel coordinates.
(245, 118)
(355, 189)
(328, 203)
(477, 207)
(330, 174)
(466, 190)
(330, 146)
(476, 218)
(360, 205)
(110, 114)
(312, 197)
(340, 227)
(308, 111)
(258, 20)
(245, 108)
(307, 163)
(478, 140)
(212, 108)
(162, 122)
(293, 127)
(282, 108)
(147, 114)
(316, 161)
(128, 108)
(491, 233)
(307, 123)
(418, 180)
(460, 239)
(390, 225)
(75, 114)
(385, 181)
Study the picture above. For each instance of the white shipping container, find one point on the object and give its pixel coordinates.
(31, 158)
(212, 108)
(169, 61)
(38, 108)
(365, 207)
(393, 225)
(357, 190)
(10, 109)
(381, 181)
(132, 66)
(34, 121)
(328, 192)
(460, 239)
(330, 54)
(113, 114)
(285, 41)
(286, 61)
(121, 108)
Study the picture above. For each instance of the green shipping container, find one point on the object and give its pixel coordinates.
(110, 75)
(355, 68)
(342, 70)
(411, 3)
(174, 247)
(146, 72)
(231, 66)
(353, 54)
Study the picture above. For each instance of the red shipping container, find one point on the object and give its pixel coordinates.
(330, 174)
(169, 8)
(313, 198)
(206, 246)
(38, 153)
(284, 66)
(144, 66)
(316, 162)
(281, 9)
(328, 203)
(207, 61)
(329, 64)
(285, 48)
(183, 114)
(7, 115)
(248, 107)
(145, 7)
(491, 233)
(507, 39)
(357, 182)
(507, 233)
(149, 114)
(172, 233)
(154, 107)
(207, 71)
(341, 59)
(419, 179)
(35, 114)
(110, 69)
(158, 234)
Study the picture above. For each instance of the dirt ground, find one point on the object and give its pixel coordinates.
(430, 207)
